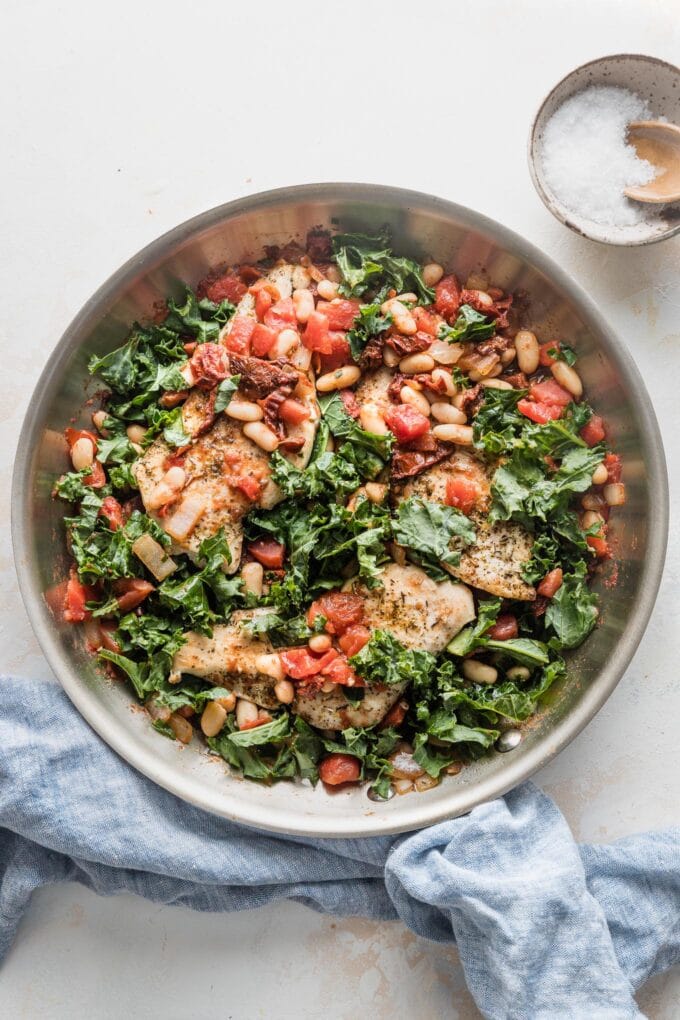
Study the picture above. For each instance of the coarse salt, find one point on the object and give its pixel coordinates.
(587, 161)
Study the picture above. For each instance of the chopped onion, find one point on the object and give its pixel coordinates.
(404, 766)
(153, 556)
(185, 518)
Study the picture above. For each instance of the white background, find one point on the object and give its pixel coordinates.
(120, 120)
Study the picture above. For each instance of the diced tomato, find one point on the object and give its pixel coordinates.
(73, 435)
(599, 545)
(264, 284)
(550, 583)
(250, 724)
(540, 413)
(339, 768)
(130, 592)
(300, 663)
(612, 462)
(354, 639)
(395, 716)
(99, 634)
(504, 628)
(97, 477)
(593, 432)
(293, 412)
(263, 339)
(228, 287)
(281, 315)
(263, 303)
(549, 392)
(427, 322)
(113, 511)
(77, 594)
(447, 297)
(240, 332)
(340, 314)
(250, 486)
(544, 358)
(315, 336)
(406, 422)
(341, 609)
(462, 493)
(190, 347)
(268, 552)
(339, 671)
(339, 354)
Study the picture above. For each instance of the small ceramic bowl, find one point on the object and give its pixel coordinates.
(655, 81)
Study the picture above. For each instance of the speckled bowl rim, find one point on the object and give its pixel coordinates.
(547, 198)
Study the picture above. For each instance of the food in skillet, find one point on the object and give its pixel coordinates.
(340, 514)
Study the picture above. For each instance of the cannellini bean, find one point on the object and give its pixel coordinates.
(98, 419)
(372, 420)
(285, 342)
(477, 281)
(440, 375)
(303, 302)
(447, 414)
(425, 782)
(568, 378)
(213, 718)
(518, 673)
(526, 346)
(390, 357)
(261, 435)
(243, 410)
(414, 363)
(301, 358)
(301, 278)
(135, 433)
(403, 321)
(458, 399)
(329, 687)
(246, 712)
(284, 691)
(327, 290)
(496, 384)
(600, 475)
(460, 434)
(320, 642)
(484, 299)
(170, 484)
(228, 702)
(252, 575)
(409, 298)
(432, 274)
(615, 493)
(333, 274)
(408, 395)
(507, 357)
(269, 664)
(445, 353)
(185, 518)
(589, 518)
(478, 672)
(82, 453)
(376, 491)
(182, 729)
(348, 375)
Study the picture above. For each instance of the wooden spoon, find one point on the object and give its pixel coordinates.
(659, 144)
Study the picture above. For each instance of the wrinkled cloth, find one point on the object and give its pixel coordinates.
(545, 928)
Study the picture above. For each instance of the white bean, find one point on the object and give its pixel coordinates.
(390, 357)
(320, 642)
(327, 290)
(348, 375)
(170, 484)
(408, 395)
(372, 420)
(252, 575)
(432, 274)
(407, 298)
(301, 358)
(478, 672)
(518, 673)
(212, 719)
(600, 475)
(568, 378)
(284, 691)
(445, 353)
(181, 727)
(135, 433)
(484, 299)
(615, 494)
(261, 435)
(589, 518)
(413, 363)
(333, 274)
(303, 302)
(301, 279)
(285, 342)
(447, 414)
(82, 453)
(440, 375)
(243, 410)
(528, 352)
(376, 491)
(460, 434)
(496, 384)
(507, 357)
(98, 419)
(269, 664)
(246, 712)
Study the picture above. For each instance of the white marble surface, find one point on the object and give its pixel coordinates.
(121, 120)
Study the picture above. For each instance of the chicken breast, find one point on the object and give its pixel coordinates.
(372, 389)
(494, 562)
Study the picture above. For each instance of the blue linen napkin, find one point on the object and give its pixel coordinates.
(544, 928)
